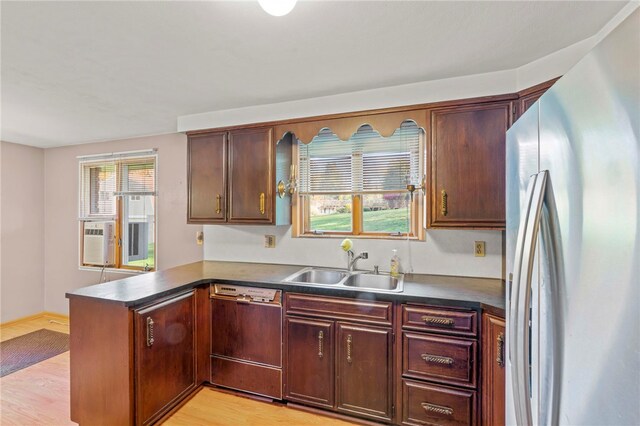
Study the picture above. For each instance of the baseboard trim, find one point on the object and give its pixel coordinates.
(44, 314)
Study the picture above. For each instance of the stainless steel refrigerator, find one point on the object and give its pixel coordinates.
(573, 244)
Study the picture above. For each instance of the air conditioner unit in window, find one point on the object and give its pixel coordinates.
(98, 244)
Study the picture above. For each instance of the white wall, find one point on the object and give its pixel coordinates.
(445, 252)
(22, 231)
(176, 239)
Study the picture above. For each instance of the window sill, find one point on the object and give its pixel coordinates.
(360, 237)
(113, 270)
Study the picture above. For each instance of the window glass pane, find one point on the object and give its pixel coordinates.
(330, 213)
(138, 177)
(388, 212)
(102, 184)
(138, 244)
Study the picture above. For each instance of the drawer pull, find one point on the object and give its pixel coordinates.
(437, 409)
(500, 358)
(349, 342)
(437, 359)
(150, 339)
(320, 343)
(437, 320)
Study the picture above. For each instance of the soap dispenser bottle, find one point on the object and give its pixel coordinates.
(394, 269)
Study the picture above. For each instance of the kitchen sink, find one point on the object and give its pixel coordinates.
(341, 278)
(318, 276)
(375, 281)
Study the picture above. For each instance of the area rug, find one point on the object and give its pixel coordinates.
(23, 351)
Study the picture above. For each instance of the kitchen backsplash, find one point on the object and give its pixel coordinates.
(445, 252)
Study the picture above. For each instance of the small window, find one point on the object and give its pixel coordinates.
(359, 187)
(117, 211)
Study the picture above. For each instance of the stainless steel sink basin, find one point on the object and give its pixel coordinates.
(341, 278)
(318, 276)
(375, 281)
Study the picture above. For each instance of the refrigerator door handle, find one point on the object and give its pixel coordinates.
(550, 272)
(514, 292)
(520, 312)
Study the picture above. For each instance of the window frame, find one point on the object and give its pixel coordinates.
(300, 208)
(119, 215)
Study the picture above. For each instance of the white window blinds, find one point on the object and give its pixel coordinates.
(366, 163)
(104, 178)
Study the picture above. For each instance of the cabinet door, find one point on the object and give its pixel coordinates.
(467, 163)
(309, 371)
(164, 356)
(247, 331)
(207, 162)
(251, 183)
(493, 373)
(364, 381)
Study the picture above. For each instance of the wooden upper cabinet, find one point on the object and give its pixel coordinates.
(233, 177)
(251, 183)
(165, 356)
(467, 165)
(207, 178)
(493, 370)
(529, 96)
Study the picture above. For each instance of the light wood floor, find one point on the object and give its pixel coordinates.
(39, 395)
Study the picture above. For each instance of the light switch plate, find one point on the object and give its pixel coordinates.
(478, 250)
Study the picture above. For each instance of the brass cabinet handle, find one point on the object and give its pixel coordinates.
(149, 331)
(218, 204)
(443, 203)
(262, 203)
(437, 320)
(320, 343)
(440, 409)
(500, 358)
(437, 359)
(349, 343)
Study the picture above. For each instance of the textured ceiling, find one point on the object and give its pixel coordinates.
(84, 71)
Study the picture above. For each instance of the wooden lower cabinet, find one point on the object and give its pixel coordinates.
(310, 362)
(429, 404)
(165, 355)
(132, 366)
(364, 381)
(343, 366)
(493, 368)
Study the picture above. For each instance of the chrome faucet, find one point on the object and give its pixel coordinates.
(351, 260)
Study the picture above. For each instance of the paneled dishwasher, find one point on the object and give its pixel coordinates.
(246, 339)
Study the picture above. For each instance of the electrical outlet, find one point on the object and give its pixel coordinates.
(270, 241)
(199, 238)
(478, 250)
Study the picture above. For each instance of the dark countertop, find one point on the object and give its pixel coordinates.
(485, 293)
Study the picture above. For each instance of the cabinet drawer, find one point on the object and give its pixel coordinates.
(440, 359)
(337, 308)
(426, 404)
(246, 376)
(440, 320)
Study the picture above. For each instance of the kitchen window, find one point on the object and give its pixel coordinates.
(359, 187)
(117, 215)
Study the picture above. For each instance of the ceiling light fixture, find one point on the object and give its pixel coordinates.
(277, 7)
